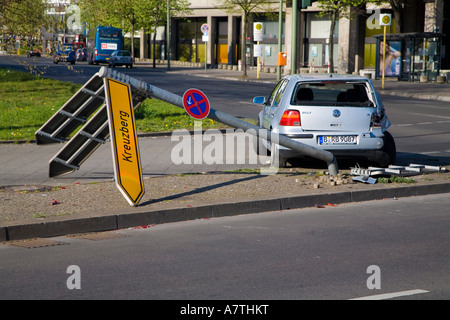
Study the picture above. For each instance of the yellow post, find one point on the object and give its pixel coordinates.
(257, 62)
(384, 57)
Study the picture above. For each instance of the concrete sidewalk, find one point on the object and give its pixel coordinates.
(90, 201)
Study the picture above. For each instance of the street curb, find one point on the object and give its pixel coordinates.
(143, 217)
(419, 96)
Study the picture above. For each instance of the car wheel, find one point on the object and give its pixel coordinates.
(389, 147)
(276, 159)
(259, 147)
(387, 155)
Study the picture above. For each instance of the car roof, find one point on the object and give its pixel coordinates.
(325, 76)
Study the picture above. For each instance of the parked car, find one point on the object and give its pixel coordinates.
(65, 54)
(34, 53)
(120, 58)
(342, 114)
(81, 54)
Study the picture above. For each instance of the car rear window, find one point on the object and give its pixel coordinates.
(335, 93)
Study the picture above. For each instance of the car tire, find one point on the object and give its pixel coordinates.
(276, 159)
(389, 147)
(259, 147)
(387, 155)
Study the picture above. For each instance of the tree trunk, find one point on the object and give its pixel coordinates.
(330, 42)
(154, 49)
(132, 40)
(396, 6)
(244, 46)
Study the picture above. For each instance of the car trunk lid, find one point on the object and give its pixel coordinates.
(332, 118)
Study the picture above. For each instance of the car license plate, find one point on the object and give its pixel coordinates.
(330, 140)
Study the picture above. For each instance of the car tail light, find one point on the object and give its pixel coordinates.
(290, 118)
(95, 53)
(375, 120)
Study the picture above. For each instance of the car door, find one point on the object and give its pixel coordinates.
(273, 103)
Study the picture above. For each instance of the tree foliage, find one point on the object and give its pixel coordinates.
(22, 17)
(130, 15)
(337, 9)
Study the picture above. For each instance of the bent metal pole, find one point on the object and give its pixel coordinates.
(151, 91)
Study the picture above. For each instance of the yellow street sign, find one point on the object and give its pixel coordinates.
(385, 19)
(122, 127)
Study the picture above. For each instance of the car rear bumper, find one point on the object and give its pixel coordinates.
(366, 144)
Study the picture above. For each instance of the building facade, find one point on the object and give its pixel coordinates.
(304, 39)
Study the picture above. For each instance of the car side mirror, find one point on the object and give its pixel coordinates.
(259, 100)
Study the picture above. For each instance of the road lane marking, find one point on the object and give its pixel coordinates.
(434, 152)
(392, 295)
(430, 115)
(420, 123)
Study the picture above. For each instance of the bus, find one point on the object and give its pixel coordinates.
(102, 43)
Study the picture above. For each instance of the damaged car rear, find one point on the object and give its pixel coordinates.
(342, 114)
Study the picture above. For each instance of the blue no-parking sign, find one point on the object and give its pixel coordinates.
(196, 104)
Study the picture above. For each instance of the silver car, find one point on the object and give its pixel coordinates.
(120, 58)
(342, 114)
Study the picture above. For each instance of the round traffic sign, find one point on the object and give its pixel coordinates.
(205, 28)
(196, 104)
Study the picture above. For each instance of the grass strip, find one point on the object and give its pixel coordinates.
(27, 101)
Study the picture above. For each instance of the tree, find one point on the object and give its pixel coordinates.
(117, 13)
(397, 7)
(130, 15)
(153, 13)
(337, 9)
(21, 17)
(245, 8)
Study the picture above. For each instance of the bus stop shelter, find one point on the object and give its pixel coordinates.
(409, 55)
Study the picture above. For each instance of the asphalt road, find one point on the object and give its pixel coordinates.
(421, 129)
(398, 248)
